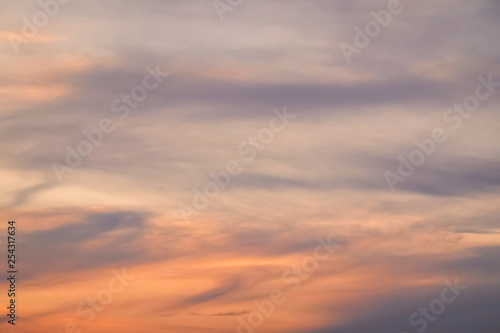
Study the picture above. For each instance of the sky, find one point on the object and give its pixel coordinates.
(299, 166)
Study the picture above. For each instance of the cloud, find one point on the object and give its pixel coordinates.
(100, 240)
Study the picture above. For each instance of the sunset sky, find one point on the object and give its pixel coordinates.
(191, 158)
